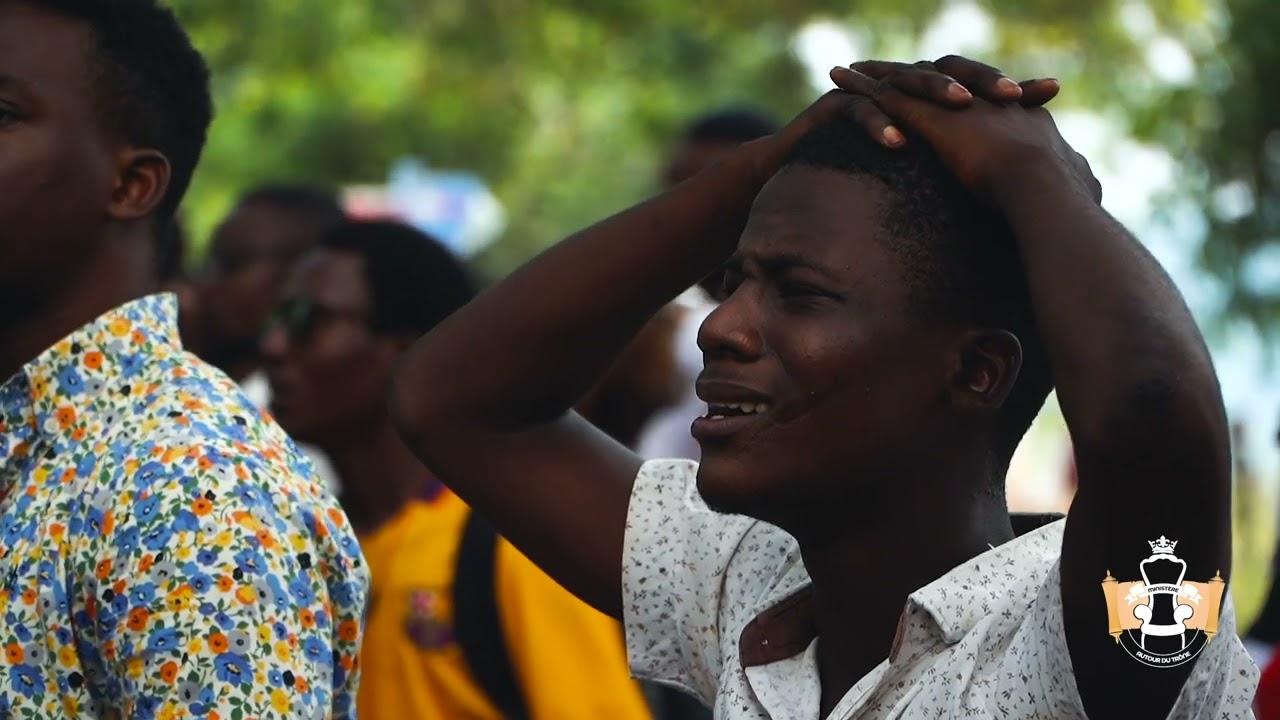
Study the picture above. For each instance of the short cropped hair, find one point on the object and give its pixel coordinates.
(414, 281)
(152, 84)
(732, 125)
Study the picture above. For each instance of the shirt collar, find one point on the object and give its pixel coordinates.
(1009, 575)
(787, 627)
(109, 354)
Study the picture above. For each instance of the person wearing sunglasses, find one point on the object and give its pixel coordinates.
(443, 581)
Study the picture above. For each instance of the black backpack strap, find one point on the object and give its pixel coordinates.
(477, 624)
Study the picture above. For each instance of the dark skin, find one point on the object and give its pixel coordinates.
(644, 379)
(510, 447)
(329, 388)
(76, 217)
(249, 261)
(1134, 377)
(688, 159)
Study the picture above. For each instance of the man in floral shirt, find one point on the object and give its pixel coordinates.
(164, 549)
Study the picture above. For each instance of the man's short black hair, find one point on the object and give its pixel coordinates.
(152, 84)
(313, 203)
(414, 281)
(732, 125)
(959, 259)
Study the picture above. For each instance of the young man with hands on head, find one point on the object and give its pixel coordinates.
(915, 262)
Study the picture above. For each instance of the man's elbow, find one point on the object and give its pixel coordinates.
(1162, 417)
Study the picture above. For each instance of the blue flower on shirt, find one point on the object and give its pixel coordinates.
(232, 668)
(69, 381)
(26, 679)
(163, 640)
(131, 365)
(157, 538)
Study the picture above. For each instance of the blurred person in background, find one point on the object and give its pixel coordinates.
(905, 293)
(705, 141)
(461, 625)
(248, 261)
(269, 228)
(167, 552)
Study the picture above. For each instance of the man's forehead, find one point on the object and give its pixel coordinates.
(814, 216)
(42, 50)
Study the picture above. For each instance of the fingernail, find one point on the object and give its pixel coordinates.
(841, 70)
(894, 137)
(958, 91)
(1005, 83)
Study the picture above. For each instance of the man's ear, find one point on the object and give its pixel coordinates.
(985, 370)
(141, 184)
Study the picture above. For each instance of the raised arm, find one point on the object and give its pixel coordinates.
(485, 399)
(1134, 378)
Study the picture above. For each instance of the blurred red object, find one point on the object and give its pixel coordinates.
(1266, 703)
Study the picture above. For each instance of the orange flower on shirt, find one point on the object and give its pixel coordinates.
(218, 643)
(138, 619)
(66, 417)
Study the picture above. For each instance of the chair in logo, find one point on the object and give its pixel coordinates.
(1163, 615)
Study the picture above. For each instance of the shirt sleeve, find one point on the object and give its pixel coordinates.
(687, 590)
(557, 642)
(209, 598)
(1221, 684)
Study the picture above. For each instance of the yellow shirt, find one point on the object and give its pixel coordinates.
(569, 659)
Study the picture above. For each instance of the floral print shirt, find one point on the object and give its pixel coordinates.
(165, 551)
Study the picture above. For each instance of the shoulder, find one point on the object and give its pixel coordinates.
(197, 463)
(192, 408)
(676, 544)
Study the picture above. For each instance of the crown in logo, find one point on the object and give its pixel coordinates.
(1163, 546)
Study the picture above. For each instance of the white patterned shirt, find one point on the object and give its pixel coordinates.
(719, 605)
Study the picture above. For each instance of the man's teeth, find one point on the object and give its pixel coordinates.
(720, 411)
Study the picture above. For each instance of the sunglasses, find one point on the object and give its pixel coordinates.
(300, 318)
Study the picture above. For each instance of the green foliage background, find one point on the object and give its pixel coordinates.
(565, 106)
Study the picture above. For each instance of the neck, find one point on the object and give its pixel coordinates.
(379, 476)
(929, 537)
(121, 271)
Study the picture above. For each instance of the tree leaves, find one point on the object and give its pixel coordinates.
(567, 106)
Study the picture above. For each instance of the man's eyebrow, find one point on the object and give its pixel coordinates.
(776, 263)
(15, 84)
